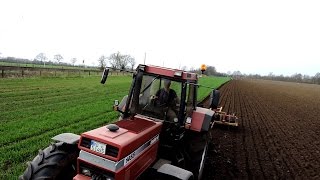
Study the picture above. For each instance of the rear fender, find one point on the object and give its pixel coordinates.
(68, 138)
(201, 119)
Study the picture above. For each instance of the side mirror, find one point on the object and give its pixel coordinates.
(104, 75)
(214, 99)
(116, 105)
(120, 106)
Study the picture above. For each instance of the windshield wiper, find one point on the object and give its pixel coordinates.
(149, 84)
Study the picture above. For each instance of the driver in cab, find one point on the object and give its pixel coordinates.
(167, 98)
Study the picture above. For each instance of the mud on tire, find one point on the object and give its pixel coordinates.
(58, 161)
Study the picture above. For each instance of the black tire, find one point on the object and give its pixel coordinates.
(198, 146)
(214, 98)
(58, 161)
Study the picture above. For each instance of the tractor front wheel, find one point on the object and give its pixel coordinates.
(58, 161)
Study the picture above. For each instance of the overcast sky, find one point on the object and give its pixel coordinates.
(255, 36)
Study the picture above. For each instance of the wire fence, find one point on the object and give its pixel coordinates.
(15, 71)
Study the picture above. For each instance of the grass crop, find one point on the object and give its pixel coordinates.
(32, 110)
(209, 81)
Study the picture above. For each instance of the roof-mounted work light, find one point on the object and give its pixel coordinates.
(203, 68)
(178, 73)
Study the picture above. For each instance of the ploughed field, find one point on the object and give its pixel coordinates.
(278, 135)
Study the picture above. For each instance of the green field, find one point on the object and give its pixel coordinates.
(209, 81)
(35, 109)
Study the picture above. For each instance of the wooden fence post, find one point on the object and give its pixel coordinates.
(2, 73)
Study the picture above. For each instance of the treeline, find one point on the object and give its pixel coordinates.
(117, 61)
(297, 77)
(125, 61)
(210, 71)
(33, 61)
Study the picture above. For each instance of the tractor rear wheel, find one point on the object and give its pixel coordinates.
(198, 146)
(58, 161)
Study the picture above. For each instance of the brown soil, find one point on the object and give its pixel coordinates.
(278, 133)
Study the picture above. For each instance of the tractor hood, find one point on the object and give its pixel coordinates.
(131, 135)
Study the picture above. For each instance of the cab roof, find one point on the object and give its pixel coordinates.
(173, 73)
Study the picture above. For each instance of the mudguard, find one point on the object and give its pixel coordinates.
(201, 119)
(68, 138)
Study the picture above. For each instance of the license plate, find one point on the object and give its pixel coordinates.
(98, 147)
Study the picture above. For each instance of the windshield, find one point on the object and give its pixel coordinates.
(160, 97)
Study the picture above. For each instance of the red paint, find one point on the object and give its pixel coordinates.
(197, 121)
(139, 131)
(81, 177)
(131, 171)
(136, 125)
(140, 164)
(127, 141)
(198, 117)
(170, 72)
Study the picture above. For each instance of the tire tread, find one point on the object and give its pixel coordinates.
(51, 162)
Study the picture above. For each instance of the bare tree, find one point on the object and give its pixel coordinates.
(297, 77)
(118, 61)
(102, 62)
(236, 73)
(317, 78)
(123, 63)
(211, 70)
(113, 60)
(41, 57)
(73, 61)
(58, 58)
(131, 61)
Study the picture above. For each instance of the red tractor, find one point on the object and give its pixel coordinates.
(153, 138)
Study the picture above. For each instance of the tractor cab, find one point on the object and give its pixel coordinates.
(160, 93)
